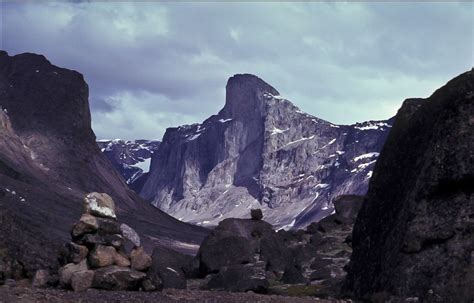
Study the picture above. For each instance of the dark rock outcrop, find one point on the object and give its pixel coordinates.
(237, 241)
(49, 160)
(261, 151)
(256, 214)
(414, 236)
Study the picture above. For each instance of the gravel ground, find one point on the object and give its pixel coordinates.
(10, 294)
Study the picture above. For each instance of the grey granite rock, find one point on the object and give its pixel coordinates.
(261, 151)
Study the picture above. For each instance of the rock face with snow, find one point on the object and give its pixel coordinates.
(130, 158)
(414, 236)
(261, 151)
(49, 160)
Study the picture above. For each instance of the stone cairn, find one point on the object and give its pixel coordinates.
(103, 254)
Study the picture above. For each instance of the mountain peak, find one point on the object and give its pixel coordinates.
(243, 95)
(249, 81)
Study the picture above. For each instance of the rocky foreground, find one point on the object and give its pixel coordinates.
(242, 256)
(29, 295)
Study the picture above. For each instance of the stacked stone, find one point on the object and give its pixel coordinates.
(98, 257)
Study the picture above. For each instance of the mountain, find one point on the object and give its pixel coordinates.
(130, 158)
(49, 160)
(414, 235)
(261, 151)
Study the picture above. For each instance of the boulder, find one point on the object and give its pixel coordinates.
(293, 275)
(276, 253)
(66, 272)
(414, 235)
(170, 277)
(99, 204)
(82, 280)
(168, 268)
(117, 278)
(241, 278)
(256, 214)
(152, 283)
(102, 256)
(140, 260)
(90, 221)
(121, 260)
(230, 250)
(72, 253)
(236, 241)
(322, 273)
(81, 228)
(130, 234)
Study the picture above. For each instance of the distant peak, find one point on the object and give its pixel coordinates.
(244, 93)
(249, 81)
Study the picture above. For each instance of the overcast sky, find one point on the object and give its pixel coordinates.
(150, 66)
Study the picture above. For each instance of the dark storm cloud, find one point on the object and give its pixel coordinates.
(150, 66)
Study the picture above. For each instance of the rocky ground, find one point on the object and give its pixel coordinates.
(10, 294)
(242, 257)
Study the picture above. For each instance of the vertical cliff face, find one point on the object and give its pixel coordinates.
(414, 234)
(261, 151)
(48, 161)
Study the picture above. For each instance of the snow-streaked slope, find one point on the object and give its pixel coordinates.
(131, 158)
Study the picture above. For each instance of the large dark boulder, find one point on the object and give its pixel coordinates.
(236, 241)
(226, 251)
(414, 236)
(168, 268)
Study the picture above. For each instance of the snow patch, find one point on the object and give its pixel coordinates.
(268, 95)
(144, 165)
(362, 166)
(367, 155)
(373, 126)
(194, 137)
(299, 140)
(321, 185)
(276, 131)
(225, 120)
